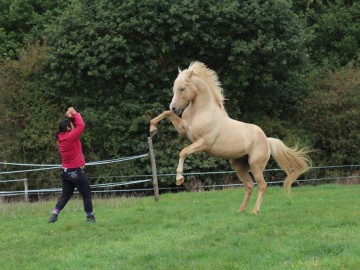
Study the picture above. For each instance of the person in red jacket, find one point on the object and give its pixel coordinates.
(72, 163)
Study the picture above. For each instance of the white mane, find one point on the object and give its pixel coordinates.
(211, 78)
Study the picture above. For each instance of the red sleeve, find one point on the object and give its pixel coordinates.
(79, 127)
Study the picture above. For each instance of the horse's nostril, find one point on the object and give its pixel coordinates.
(173, 109)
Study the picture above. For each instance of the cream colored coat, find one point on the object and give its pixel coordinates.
(198, 95)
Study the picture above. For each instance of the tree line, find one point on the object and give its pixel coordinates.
(291, 67)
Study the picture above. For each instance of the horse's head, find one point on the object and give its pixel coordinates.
(184, 91)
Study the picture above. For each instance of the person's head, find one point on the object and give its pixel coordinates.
(65, 125)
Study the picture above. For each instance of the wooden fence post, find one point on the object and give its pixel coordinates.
(153, 168)
(26, 188)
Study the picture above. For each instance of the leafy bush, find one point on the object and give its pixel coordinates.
(331, 114)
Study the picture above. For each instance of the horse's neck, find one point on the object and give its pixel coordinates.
(205, 99)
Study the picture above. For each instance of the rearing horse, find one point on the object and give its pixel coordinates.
(198, 95)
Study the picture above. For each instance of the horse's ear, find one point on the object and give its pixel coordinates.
(179, 69)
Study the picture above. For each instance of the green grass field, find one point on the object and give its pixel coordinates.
(318, 229)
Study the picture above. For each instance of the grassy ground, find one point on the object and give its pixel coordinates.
(318, 229)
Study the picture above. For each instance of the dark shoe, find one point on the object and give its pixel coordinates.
(53, 218)
(90, 218)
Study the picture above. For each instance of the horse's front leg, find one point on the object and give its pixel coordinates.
(197, 146)
(175, 120)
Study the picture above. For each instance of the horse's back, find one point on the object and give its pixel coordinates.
(236, 139)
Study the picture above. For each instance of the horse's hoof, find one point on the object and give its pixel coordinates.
(153, 131)
(179, 181)
(255, 212)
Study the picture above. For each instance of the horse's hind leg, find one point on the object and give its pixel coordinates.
(257, 169)
(241, 166)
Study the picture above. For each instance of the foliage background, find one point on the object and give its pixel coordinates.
(291, 68)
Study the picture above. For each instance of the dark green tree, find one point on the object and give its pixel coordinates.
(116, 62)
(335, 28)
(23, 21)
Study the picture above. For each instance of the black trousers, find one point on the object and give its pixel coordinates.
(71, 179)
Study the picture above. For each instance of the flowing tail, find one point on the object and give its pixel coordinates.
(293, 161)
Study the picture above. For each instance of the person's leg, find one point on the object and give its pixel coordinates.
(83, 186)
(67, 192)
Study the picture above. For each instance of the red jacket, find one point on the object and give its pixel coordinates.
(69, 145)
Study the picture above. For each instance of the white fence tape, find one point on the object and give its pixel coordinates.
(57, 166)
(115, 184)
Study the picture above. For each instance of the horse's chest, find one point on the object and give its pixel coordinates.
(194, 129)
(189, 129)
(191, 134)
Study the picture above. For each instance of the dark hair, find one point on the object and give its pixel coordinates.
(63, 125)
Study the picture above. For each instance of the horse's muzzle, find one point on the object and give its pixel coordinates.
(175, 110)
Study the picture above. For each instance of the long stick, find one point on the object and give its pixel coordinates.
(153, 168)
(26, 188)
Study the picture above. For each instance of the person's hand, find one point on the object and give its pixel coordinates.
(70, 112)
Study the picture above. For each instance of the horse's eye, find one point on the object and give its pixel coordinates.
(182, 89)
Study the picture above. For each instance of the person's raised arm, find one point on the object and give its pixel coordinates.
(78, 123)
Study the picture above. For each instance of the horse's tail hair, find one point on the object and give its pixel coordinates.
(293, 161)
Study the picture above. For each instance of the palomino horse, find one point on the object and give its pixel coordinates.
(198, 95)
